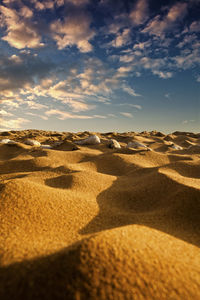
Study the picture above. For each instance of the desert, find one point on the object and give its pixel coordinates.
(83, 219)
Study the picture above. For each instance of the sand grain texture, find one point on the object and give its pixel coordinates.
(91, 222)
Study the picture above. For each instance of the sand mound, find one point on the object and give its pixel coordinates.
(133, 262)
(99, 223)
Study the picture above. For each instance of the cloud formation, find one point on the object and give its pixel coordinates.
(139, 14)
(126, 114)
(20, 32)
(121, 39)
(130, 91)
(66, 115)
(74, 30)
(159, 25)
(19, 71)
(14, 123)
(72, 57)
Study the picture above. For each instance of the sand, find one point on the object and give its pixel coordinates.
(91, 222)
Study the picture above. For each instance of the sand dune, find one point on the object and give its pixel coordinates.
(91, 222)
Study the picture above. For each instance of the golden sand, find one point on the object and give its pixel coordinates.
(90, 222)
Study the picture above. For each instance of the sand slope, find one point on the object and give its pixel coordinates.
(90, 222)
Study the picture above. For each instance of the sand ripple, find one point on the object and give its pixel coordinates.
(91, 222)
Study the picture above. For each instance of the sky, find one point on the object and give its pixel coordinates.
(100, 65)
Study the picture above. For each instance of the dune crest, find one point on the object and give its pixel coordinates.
(95, 221)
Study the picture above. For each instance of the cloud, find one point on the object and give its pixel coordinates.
(122, 39)
(156, 65)
(127, 115)
(187, 60)
(74, 30)
(136, 106)
(14, 124)
(126, 58)
(100, 116)
(188, 121)
(18, 71)
(4, 113)
(20, 32)
(61, 92)
(78, 106)
(48, 4)
(162, 74)
(78, 2)
(195, 26)
(152, 63)
(35, 105)
(130, 91)
(11, 104)
(142, 45)
(26, 12)
(168, 96)
(65, 115)
(158, 26)
(188, 40)
(36, 115)
(111, 115)
(139, 14)
(16, 59)
(123, 71)
(131, 105)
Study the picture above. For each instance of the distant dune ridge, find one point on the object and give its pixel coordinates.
(84, 216)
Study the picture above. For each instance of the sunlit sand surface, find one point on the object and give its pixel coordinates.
(93, 222)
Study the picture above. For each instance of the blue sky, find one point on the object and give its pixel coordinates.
(101, 65)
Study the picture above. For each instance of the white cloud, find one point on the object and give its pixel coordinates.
(46, 83)
(74, 30)
(126, 58)
(14, 124)
(45, 4)
(113, 28)
(10, 103)
(163, 75)
(123, 71)
(35, 105)
(187, 60)
(167, 96)
(140, 12)
(127, 115)
(4, 113)
(99, 116)
(16, 59)
(20, 33)
(131, 105)
(78, 2)
(112, 115)
(65, 115)
(152, 63)
(130, 91)
(188, 40)
(78, 106)
(142, 45)
(195, 26)
(60, 92)
(26, 12)
(122, 39)
(155, 65)
(36, 115)
(188, 121)
(136, 106)
(159, 25)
